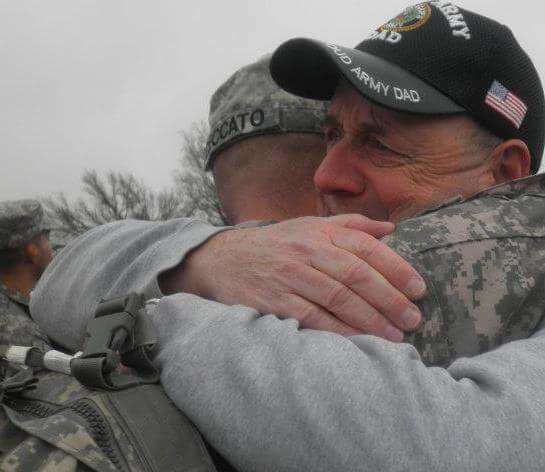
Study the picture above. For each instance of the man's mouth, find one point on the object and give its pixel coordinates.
(369, 207)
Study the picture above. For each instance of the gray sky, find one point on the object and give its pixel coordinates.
(108, 84)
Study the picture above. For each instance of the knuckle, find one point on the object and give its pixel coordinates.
(338, 297)
(371, 322)
(284, 306)
(367, 246)
(302, 246)
(393, 305)
(357, 273)
(390, 304)
(310, 316)
(287, 269)
(400, 271)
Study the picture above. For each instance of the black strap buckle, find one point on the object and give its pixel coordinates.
(22, 379)
(116, 336)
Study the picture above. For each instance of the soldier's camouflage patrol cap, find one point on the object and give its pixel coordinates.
(250, 103)
(20, 221)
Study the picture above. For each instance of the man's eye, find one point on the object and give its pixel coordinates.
(383, 156)
(380, 146)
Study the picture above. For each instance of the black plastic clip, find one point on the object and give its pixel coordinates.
(111, 340)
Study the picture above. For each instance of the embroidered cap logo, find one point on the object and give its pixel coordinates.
(410, 19)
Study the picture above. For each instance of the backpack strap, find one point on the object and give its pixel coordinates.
(21, 379)
(118, 334)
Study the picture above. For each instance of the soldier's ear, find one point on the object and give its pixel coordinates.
(511, 160)
(32, 252)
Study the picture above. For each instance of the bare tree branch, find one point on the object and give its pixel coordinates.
(197, 187)
(118, 196)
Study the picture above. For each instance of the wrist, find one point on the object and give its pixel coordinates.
(192, 274)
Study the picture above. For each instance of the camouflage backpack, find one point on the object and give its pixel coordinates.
(117, 421)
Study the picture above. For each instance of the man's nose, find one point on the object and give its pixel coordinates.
(337, 173)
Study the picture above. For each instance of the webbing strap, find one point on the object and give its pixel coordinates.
(21, 378)
(118, 336)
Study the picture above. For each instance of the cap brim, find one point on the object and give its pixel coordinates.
(312, 69)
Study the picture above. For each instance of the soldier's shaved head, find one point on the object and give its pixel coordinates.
(264, 147)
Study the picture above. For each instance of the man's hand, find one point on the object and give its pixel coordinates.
(331, 274)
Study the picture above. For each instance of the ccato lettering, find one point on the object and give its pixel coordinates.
(237, 124)
(454, 17)
(343, 57)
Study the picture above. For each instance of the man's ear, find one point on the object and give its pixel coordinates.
(511, 160)
(32, 253)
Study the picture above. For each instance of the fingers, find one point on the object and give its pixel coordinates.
(312, 316)
(378, 229)
(396, 270)
(374, 303)
(335, 298)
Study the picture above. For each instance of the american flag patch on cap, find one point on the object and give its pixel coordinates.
(506, 103)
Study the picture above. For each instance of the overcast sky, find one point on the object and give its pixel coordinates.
(109, 84)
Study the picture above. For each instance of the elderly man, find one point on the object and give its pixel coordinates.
(281, 399)
(264, 147)
(277, 398)
(397, 149)
(25, 252)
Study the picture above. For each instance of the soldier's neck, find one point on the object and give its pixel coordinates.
(19, 280)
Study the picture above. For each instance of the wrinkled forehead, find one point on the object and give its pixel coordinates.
(350, 109)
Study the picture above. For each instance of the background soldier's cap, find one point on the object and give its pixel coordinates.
(433, 58)
(250, 103)
(20, 221)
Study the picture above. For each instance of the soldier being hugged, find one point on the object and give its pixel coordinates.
(25, 252)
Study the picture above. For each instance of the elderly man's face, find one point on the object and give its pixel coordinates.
(390, 166)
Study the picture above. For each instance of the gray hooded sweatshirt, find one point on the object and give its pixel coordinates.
(271, 397)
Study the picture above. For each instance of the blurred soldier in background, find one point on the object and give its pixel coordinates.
(48, 420)
(25, 252)
(264, 147)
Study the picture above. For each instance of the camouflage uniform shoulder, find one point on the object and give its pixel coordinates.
(16, 325)
(510, 210)
(483, 261)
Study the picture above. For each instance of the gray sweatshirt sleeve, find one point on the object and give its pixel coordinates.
(271, 397)
(109, 261)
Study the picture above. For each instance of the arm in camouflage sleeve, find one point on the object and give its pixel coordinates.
(273, 398)
(109, 261)
(482, 261)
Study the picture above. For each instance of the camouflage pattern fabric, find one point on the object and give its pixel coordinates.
(63, 423)
(250, 103)
(483, 261)
(22, 445)
(15, 321)
(63, 426)
(20, 221)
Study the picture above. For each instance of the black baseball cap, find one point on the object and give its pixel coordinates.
(435, 59)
